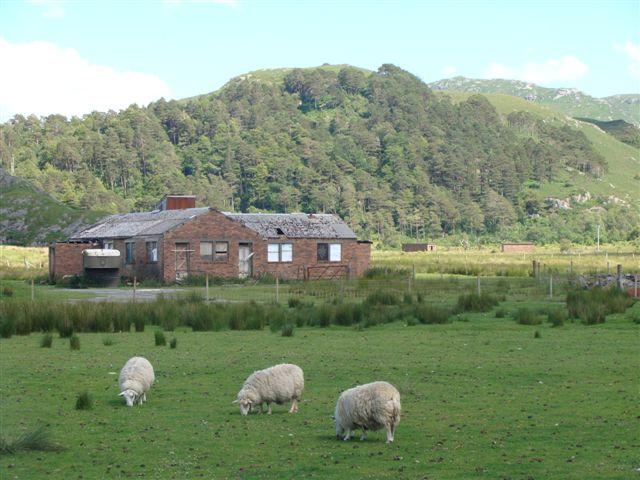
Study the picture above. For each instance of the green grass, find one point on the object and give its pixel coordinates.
(482, 399)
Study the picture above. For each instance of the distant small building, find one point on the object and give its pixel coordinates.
(177, 240)
(525, 247)
(418, 247)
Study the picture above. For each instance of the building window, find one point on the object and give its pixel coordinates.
(130, 252)
(152, 252)
(329, 252)
(222, 251)
(214, 251)
(280, 252)
(206, 251)
(107, 245)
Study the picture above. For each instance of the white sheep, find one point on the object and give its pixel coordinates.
(277, 384)
(369, 407)
(136, 378)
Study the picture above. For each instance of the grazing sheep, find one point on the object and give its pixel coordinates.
(369, 407)
(136, 378)
(277, 384)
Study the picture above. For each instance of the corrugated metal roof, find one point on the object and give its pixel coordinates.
(142, 223)
(294, 225)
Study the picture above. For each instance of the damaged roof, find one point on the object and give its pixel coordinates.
(136, 224)
(266, 225)
(294, 225)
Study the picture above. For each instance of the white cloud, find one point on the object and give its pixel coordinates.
(44, 78)
(564, 69)
(632, 51)
(449, 71)
(49, 8)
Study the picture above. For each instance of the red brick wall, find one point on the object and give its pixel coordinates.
(66, 259)
(214, 226)
(517, 247)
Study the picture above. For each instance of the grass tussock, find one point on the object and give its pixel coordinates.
(526, 316)
(160, 339)
(46, 341)
(74, 342)
(84, 401)
(107, 341)
(592, 306)
(472, 302)
(173, 343)
(37, 439)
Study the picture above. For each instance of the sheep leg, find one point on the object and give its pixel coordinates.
(144, 398)
(389, 434)
(261, 409)
(269, 411)
(364, 434)
(294, 406)
(347, 435)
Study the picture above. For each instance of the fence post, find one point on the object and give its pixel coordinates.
(608, 267)
(478, 285)
(206, 285)
(33, 291)
(551, 286)
(619, 276)
(571, 267)
(414, 271)
(635, 285)
(135, 282)
(277, 289)
(535, 268)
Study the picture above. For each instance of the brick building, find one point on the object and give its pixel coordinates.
(517, 247)
(172, 242)
(418, 247)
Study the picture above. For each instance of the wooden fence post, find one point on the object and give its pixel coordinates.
(478, 285)
(619, 276)
(535, 269)
(206, 285)
(33, 291)
(551, 286)
(277, 289)
(135, 282)
(414, 271)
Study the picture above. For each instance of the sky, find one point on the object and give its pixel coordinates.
(76, 56)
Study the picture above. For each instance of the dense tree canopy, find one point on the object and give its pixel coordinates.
(380, 149)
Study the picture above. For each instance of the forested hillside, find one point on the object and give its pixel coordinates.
(378, 148)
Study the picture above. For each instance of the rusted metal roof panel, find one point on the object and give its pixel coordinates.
(294, 225)
(135, 224)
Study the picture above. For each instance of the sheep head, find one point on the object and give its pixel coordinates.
(130, 397)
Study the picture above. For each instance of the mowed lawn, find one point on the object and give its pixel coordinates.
(481, 399)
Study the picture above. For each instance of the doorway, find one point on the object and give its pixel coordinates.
(245, 260)
(182, 254)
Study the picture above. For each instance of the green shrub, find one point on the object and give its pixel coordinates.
(7, 292)
(556, 316)
(74, 342)
(592, 306)
(65, 329)
(107, 341)
(537, 334)
(46, 341)
(382, 297)
(429, 314)
(6, 327)
(472, 302)
(634, 315)
(348, 314)
(287, 330)
(501, 313)
(84, 401)
(410, 321)
(525, 316)
(160, 339)
(173, 343)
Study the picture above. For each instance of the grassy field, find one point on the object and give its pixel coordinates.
(481, 399)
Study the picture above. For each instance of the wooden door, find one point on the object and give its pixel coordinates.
(245, 260)
(182, 253)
